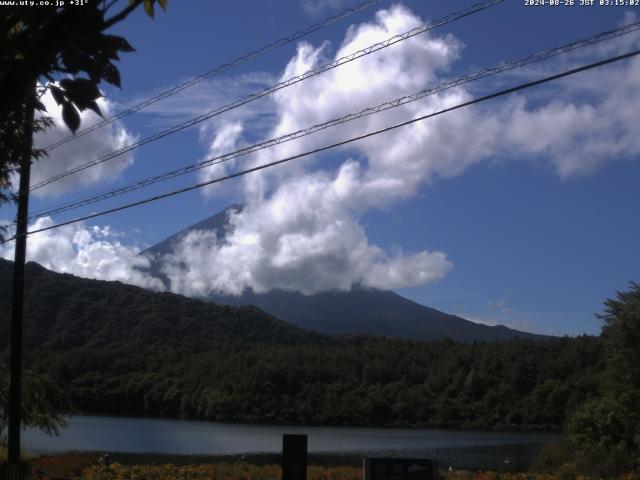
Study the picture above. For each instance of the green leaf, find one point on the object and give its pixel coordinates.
(74, 59)
(70, 116)
(163, 4)
(148, 7)
(112, 75)
(110, 46)
(66, 82)
(95, 72)
(121, 44)
(81, 86)
(94, 106)
(82, 92)
(58, 95)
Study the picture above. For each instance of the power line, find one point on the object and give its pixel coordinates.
(500, 93)
(274, 88)
(218, 70)
(536, 57)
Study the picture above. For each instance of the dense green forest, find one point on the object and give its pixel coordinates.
(508, 385)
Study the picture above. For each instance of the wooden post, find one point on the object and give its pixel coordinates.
(294, 457)
(17, 309)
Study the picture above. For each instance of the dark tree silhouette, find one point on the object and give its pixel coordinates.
(64, 49)
(606, 430)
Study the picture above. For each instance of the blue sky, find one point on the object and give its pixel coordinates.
(520, 212)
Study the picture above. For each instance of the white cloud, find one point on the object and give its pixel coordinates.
(90, 252)
(574, 127)
(303, 238)
(578, 135)
(300, 227)
(226, 140)
(302, 231)
(79, 151)
(209, 95)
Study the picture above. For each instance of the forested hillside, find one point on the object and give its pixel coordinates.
(118, 349)
(509, 385)
(63, 311)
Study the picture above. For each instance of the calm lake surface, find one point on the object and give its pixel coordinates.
(140, 435)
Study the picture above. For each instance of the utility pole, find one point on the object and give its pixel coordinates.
(17, 310)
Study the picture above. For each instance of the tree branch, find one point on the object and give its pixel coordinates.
(107, 6)
(122, 15)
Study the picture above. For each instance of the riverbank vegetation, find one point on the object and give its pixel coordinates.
(88, 467)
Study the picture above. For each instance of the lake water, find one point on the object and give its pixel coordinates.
(138, 435)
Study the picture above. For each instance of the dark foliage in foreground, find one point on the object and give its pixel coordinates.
(606, 429)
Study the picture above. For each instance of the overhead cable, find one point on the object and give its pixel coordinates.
(486, 72)
(216, 71)
(484, 98)
(274, 88)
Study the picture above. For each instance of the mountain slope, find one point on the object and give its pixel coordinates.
(369, 312)
(64, 311)
(359, 311)
(216, 223)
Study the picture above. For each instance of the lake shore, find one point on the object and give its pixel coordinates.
(91, 466)
(502, 458)
(187, 437)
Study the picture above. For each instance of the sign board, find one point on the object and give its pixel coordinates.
(400, 469)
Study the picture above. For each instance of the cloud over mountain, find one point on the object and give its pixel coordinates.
(300, 229)
(301, 225)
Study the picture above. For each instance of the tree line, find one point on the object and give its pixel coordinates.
(520, 384)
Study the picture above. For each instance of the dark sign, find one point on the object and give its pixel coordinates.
(294, 457)
(400, 469)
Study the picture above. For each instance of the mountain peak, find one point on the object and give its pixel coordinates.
(359, 311)
(216, 223)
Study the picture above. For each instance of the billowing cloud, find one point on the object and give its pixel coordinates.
(577, 136)
(79, 151)
(304, 239)
(90, 252)
(226, 140)
(300, 230)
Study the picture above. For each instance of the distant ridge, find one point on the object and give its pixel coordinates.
(357, 312)
(63, 311)
(370, 312)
